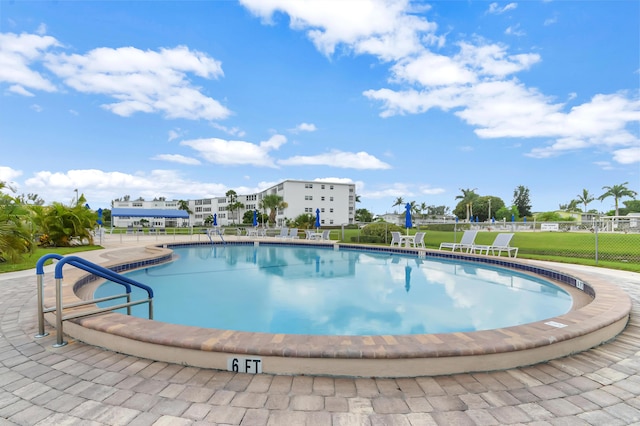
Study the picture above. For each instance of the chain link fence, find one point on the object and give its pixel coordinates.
(604, 239)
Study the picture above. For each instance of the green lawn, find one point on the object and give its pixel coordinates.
(29, 262)
(618, 251)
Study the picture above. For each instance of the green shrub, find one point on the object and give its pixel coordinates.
(382, 231)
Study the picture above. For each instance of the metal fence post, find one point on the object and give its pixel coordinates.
(596, 232)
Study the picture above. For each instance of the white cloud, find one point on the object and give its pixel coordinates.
(177, 158)
(550, 21)
(233, 131)
(627, 155)
(221, 151)
(304, 127)
(174, 134)
(494, 8)
(515, 30)
(103, 186)
(472, 82)
(7, 174)
(393, 190)
(17, 53)
(385, 28)
(336, 158)
(18, 89)
(143, 81)
(428, 190)
(429, 69)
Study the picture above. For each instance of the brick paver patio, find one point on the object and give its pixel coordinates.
(81, 384)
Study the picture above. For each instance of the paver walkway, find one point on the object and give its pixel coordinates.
(85, 385)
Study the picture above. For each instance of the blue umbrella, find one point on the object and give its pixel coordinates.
(524, 219)
(513, 218)
(215, 219)
(477, 219)
(99, 216)
(407, 219)
(255, 218)
(317, 218)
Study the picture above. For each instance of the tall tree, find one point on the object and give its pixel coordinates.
(184, 205)
(467, 198)
(273, 202)
(585, 198)
(398, 202)
(521, 201)
(233, 203)
(617, 192)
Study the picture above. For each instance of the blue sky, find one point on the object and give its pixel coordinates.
(416, 100)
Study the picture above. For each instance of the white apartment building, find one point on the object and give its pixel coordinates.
(336, 202)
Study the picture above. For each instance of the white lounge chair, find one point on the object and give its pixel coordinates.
(326, 234)
(293, 233)
(466, 242)
(501, 243)
(395, 239)
(284, 233)
(418, 239)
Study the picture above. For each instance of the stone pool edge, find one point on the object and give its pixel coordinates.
(366, 356)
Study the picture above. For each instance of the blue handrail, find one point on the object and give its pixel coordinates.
(92, 268)
(99, 270)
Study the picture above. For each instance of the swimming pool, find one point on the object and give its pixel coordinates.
(600, 311)
(321, 291)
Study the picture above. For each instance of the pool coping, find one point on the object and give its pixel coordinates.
(380, 356)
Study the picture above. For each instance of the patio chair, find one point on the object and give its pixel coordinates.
(395, 238)
(501, 243)
(293, 233)
(284, 233)
(466, 242)
(419, 239)
(326, 234)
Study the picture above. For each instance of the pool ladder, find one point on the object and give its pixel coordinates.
(215, 231)
(94, 269)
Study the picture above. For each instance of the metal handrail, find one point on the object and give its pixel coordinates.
(95, 270)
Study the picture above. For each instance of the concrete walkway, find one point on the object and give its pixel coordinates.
(81, 384)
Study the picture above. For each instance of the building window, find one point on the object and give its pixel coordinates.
(321, 198)
(322, 210)
(308, 197)
(321, 186)
(331, 187)
(308, 185)
(137, 204)
(330, 198)
(330, 210)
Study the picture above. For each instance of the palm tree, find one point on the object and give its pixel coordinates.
(617, 192)
(468, 197)
(15, 237)
(399, 202)
(585, 199)
(273, 202)
(423, 208)
(184, 205)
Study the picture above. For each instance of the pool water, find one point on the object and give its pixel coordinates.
(322, 291)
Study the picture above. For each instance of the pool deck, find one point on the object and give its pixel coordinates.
(83, 384)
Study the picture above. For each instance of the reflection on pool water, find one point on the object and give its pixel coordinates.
(317, 290)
